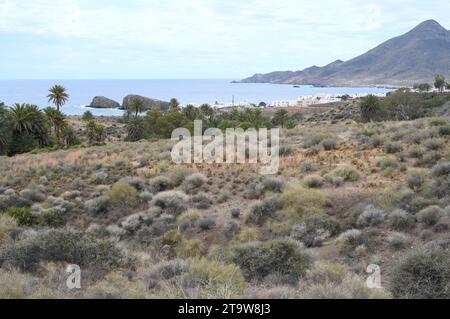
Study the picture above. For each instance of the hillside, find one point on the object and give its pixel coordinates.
(414, 57)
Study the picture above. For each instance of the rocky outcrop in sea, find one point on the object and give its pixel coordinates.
(148, 103)
(101, 102)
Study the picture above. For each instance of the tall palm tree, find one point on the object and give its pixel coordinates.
(5, 128)
(137, 106)
(58, 96)
(57, 120)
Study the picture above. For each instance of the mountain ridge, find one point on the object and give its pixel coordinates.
(414, 57)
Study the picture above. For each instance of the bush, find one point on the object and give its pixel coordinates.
(172, 268)
(207, 224)
(178, 174)
(441, 170)
(201, 201)
(330, 144)
(400, 220)
(434, 144)
(313, 181)
(231, 229)
(422, 274)
(23, 216)
(273, 185)
(261, 212)
(302, 200)
(123, 195)
(261, 259)
(393, 147)
(171, 202)
(352, 237)
(193, 182)
(416, 180)
(248, 234)
(97, 205)
(314, 230)
(398, 241)
(171, 238)
(326, 272)
(444, 130)
(220, 279)
(370, 217)
(236, 213)
(7, 224)
(347, 173)
(61, 246)
(430, 216)
(159, 184)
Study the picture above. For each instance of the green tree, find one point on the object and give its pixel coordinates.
(95, 132)
(57, 121)
(5, 129)
(280, 117)
(190, 112)
(87, 116)
(136, 129)
(424, 87)
(58, 96)
(206, 111)
(439, 82)
(29, 128)
(137, 106)
(174, 104)
(370, 108)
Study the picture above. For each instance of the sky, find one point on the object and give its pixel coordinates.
(168, 39)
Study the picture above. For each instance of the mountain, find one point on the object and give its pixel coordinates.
(414, 57)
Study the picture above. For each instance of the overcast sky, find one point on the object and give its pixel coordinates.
(116, 39)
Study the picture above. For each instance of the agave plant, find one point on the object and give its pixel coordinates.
(58, 96)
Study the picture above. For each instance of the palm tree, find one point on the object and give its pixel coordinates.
(370, 107)
(190, 112)
(174, 104)
(27, 119)
(137, 106)
(280, 117)
(5, 128)
(57, 120)
(58, 96)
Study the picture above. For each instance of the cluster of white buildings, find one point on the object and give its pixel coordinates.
(310, 100)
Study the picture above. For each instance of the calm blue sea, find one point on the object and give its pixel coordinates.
(186, 91)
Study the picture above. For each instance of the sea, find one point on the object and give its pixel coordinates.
(198, 91)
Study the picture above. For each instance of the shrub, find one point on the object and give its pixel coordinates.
(352, 237)
(430, 216)
(201, 201)
(97, 205)
(422, 274)
(313, 181)
(400, 220)
(123, 195)
(314, 140)
(171, 238)
(398, 241)
(172, 268)
(326, 272)
(302, 200)
(308, 166)
(393, 147)
(236, 213)
(416, 179)
(225, 280)
(7, 224)
(273, 185)
(189, 249)
(159, 184)
(314, 230)
(416, 152)
(330, 144)
(370, 217)
(178, 174)
(171, 202)
(441, 170)
(347, 173)
(248, 234)
(231, 229)
(434, 144)
(282, 256)
(444, 130)
(207, 224)
(23, 216)
(193, 182)
(61, 246)
(261, 212)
